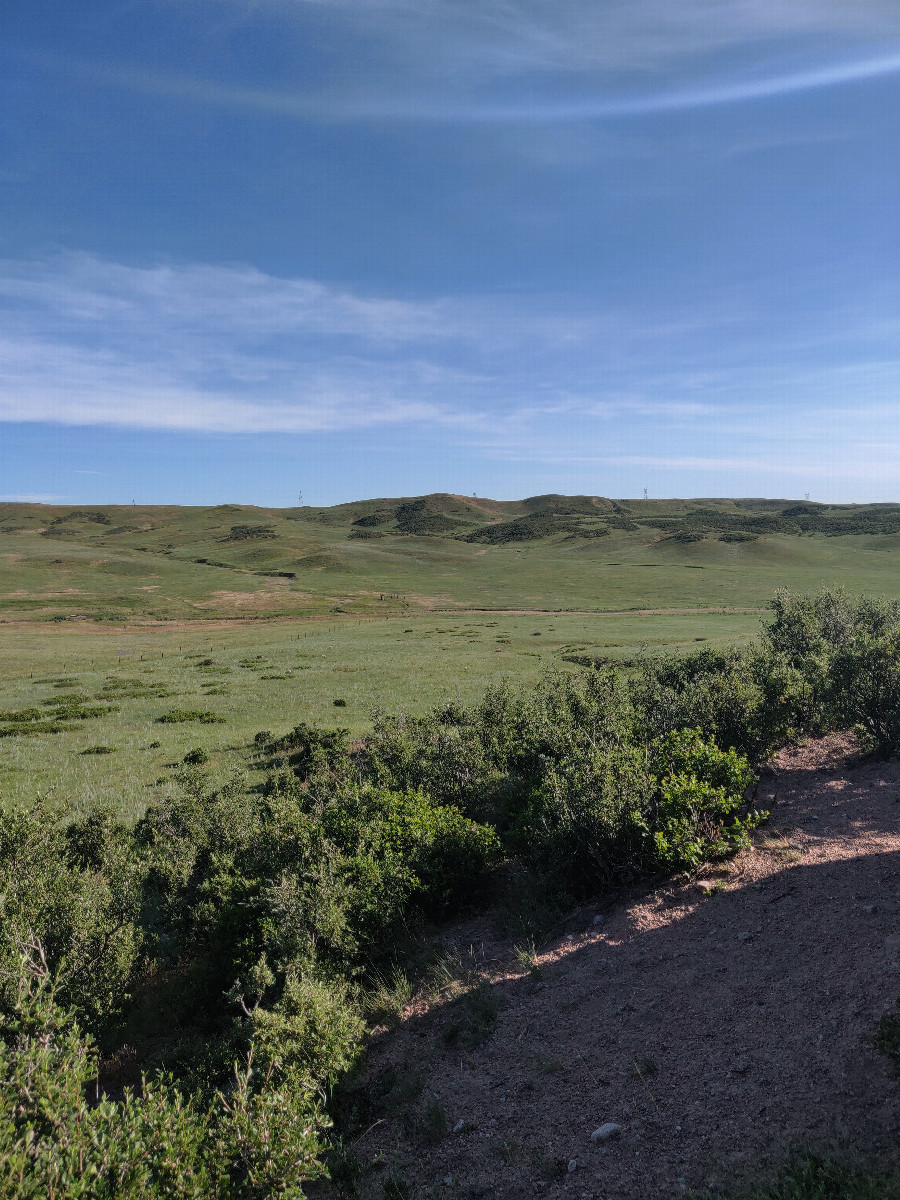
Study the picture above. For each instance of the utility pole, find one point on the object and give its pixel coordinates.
(645, 493)
(300, 499)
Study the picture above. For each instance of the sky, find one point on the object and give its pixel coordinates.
(253, 250)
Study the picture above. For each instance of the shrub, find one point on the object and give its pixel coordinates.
(311, 751)
(75, 893)
(699, 788)
(866, 677)
(262, 1139)
(196, 757)
(846, 651)
(313, 1033)
(178, 716)
(244, 533)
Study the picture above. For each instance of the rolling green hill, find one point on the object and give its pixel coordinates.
(385, 556)
(260, 618)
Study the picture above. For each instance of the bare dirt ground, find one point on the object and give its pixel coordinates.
(720, 1022)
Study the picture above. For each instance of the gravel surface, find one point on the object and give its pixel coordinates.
(717, 1022)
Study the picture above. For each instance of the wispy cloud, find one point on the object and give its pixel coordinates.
(232, 350)
(510, 36)
(520, 61)
(599, 103)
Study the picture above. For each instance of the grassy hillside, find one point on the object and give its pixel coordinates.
(406, 555)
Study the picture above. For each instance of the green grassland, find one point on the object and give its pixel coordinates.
(262, 618)
(273, 675)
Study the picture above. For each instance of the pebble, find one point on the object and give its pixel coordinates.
(745, 937)
(599, 919)
(449, 1180)
(573, 1165)
(609, 1130)
(870, 908)
(459, 1126)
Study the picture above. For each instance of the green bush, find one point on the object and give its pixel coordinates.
(76, 893)
(178, 716)
(847, 652)
(259, 1140)
(313, 1033)
(866, 674)
(700, 791)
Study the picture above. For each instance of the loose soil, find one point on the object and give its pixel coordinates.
(720, 1021)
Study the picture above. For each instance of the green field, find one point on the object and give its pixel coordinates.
(272, 675)
(398, 604)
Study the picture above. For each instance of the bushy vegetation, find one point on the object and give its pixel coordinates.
(245, 926)
(228, 939)
(815, 1178)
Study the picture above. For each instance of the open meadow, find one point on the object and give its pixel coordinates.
(239, 620)
(271, 675)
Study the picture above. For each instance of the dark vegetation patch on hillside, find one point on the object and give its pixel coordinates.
(212, 968)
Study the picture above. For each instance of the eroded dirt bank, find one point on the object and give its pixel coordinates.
(718, 1022)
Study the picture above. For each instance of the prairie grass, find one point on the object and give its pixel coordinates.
(370, 664)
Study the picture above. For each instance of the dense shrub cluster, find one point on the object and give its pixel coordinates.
(229, 936)
(230, 931)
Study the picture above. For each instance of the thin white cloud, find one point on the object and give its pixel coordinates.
(511, 61)
(424, 105)
(510, 36)
(41, 381)
(31, 498)
(82, 288)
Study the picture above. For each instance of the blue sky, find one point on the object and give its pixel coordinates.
(250, 248)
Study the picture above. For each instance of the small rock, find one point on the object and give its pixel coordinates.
(459, 1126)
(870, 908)
(449, 1181)
(539, 987)
(570, 937)
(573, 1165)
(609, 1130)
(706, 885)
(599, 919)
(745, 937)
